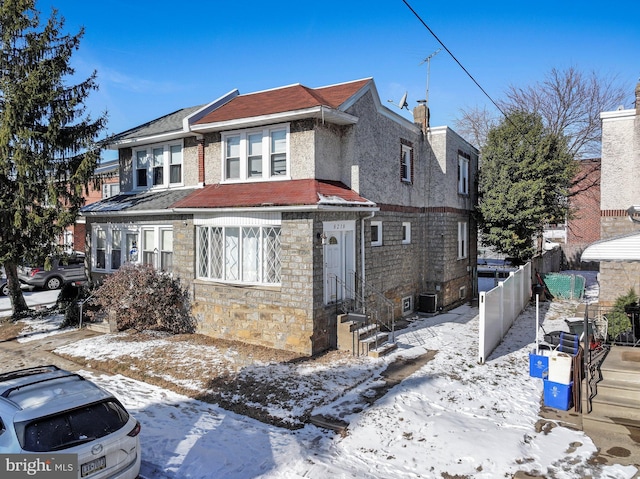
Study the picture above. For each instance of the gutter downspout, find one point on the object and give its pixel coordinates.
(362, 247)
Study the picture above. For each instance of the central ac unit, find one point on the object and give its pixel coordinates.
(428, 303)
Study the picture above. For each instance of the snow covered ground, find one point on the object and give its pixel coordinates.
(452, 418)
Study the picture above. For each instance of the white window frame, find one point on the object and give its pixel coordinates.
(406, 232)
(128, 253)
(463, 175)
(376, 240)
(165, 162)
(230, 259)
(244, 170)
(463, 240)
(110, 189)
(406, 163)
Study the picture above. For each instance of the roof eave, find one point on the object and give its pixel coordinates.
(324, 113)
(146, 140)
(274, 208)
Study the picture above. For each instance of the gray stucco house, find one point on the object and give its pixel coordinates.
(281, 209)
(618, 250)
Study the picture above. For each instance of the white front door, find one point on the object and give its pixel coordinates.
(339, 260)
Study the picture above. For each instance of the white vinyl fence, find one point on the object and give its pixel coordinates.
(500, 307)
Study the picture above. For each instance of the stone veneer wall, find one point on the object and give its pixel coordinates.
(276, 317)
(394, 269)
(446, 274)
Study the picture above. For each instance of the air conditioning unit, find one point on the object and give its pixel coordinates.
(428, 303)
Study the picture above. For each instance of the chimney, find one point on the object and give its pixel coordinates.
(638, 98)
(421, 116)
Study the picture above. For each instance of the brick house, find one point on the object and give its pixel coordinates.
(618, 250)
(279, 209)
(105, 183)
(583, 227)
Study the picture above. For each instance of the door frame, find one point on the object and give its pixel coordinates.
(345, 233)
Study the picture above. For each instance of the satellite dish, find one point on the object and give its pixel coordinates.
(403, 102)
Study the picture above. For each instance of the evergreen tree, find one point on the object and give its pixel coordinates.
(525, 175)
(48, 149)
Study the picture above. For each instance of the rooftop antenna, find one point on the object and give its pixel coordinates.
(403, 102)
(426, 100)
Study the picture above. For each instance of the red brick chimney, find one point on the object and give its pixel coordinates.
(421, 117)
(638, 98)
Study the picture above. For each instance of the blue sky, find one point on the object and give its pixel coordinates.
(153, 58)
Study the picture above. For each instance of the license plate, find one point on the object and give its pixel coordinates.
(93, 466)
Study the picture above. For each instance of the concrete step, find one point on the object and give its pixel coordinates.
(620, 410)
(621, 375)
(600, 427)
(612, 390)
(365, 332)
(99, 327)
(376, 339)
(382, 349)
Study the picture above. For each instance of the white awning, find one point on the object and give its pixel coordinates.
(620, 248)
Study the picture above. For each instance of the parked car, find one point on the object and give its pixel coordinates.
(63, 270)
(47, 409)
(4, 288)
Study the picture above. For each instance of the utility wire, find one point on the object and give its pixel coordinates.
(517, 127)
(454, 58)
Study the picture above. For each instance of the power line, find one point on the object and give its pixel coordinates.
(454, 57)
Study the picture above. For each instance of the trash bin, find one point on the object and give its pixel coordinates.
(558, 396)
(539, 363)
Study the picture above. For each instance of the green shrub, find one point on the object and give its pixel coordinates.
(145, 299)
(618, 319)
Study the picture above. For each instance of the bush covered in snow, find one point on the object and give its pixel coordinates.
(142, 298)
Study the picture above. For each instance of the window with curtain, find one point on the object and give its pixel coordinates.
(166, 250)
(115, 244)
(158, 166)
(239, 254)
(148, 247)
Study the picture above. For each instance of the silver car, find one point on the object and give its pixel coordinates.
(45, 409)
(63, 270)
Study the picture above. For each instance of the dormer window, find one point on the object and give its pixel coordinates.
(159, 166)
(256, 154)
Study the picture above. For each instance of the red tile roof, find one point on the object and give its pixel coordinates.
(290, 98)
(272, 193)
